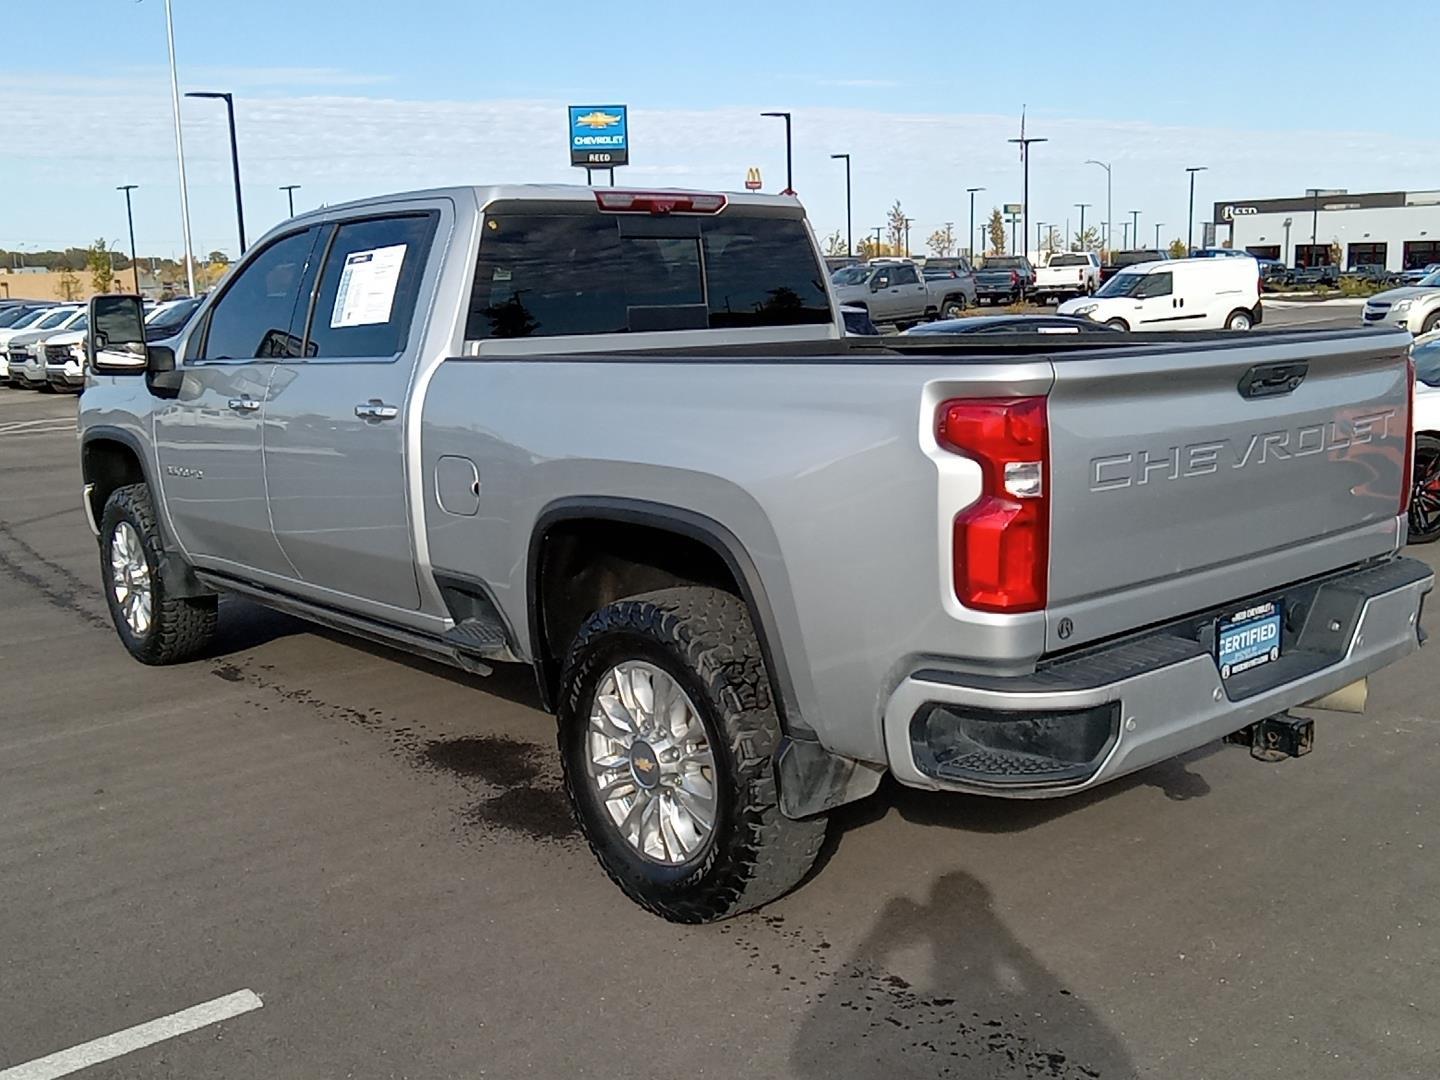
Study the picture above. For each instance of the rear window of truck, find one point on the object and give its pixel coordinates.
(545, 275)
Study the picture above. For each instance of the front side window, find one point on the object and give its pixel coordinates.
(255, 318)
(544, 275)
(368, 287)
(905, 275)
(1155, 285)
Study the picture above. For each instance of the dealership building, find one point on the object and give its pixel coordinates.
(1399, 230)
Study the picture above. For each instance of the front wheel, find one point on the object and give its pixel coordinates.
(1118, 324)
(1425, 491)
(668, 732)
(1239, 320)
(155, 628)
(1431, 322)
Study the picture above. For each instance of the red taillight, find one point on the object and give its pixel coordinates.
(1407, 471)
(1014, 277)
(1002, 540)
(660, 202)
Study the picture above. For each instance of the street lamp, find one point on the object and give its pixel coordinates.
(908, 222)
(1158, 226)
(1288, 222)
(982, 241)
(1039, 225)
(1314, 193)
(849, 236)
(1125, 236)
(789, 171)
(972, 191)
(234, 153)
(1109, 206)
(130, 220)
(1135, 226)
(876, 249)
(289, 190)
(1190, 221)
(1025, 190)
(180, 152)
(1082, 206)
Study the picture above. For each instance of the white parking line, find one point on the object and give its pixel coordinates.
(21, 425)
(135, 1038)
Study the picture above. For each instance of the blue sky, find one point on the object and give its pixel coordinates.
(350, 99)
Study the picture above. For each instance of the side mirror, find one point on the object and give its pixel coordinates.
(116, 342)
(878, 282)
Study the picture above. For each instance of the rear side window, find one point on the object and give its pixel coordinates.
(1069, 260)
(368, 287)
(543, 275)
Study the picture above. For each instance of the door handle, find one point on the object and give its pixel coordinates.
(244, 403)
(375, 409)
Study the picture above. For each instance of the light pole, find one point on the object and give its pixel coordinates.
(1314, 193)
(130, 220)
(789, 160)
(982, 240)
(849, 236)
(972, 191)
(1190, 221)
(1158, 226)
(180, 153)
(1025, 168)
(908, 221)
(1038, 243)
(234, 153)
(1125, 235)
(1288, 223)
(1109, 205)
(289, 190)
(1082, 207)
(876, 250)
(1135, 226)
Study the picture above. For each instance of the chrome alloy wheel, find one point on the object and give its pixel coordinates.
(130, 578)
(651, 763)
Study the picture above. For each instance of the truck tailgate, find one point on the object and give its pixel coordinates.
(1174, 489)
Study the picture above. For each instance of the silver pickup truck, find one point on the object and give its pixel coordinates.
(620, 437)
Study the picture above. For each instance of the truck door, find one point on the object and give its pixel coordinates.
(885, 303)
(208, 437)
(335, 423)
(913, 297)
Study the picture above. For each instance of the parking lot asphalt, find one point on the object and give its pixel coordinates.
(378, 849)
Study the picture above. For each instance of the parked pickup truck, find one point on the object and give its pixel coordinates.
(619, 437)
(1004, 279)
(1119, 260)
(897, 291)
(1066, 275)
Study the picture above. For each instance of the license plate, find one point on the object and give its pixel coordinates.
(1248, 639)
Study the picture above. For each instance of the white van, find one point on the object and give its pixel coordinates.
(1177, 294)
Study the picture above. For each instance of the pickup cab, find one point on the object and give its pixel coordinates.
(1004, 279)
(754, 565)
(1067, 274)
(892, 291)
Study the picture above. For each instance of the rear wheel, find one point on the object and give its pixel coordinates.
(953, 308)
(155, 628)
(1425, 491)
(668, 732)
(1239, 320)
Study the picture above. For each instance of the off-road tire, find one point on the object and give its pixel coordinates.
(704, 639)
(180, 628)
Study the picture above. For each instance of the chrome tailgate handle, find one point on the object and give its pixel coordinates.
(375, 409)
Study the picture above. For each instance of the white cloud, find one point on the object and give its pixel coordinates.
(67, 141)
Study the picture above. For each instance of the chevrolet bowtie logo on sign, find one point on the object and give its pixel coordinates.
(597, 120)
(599, 136)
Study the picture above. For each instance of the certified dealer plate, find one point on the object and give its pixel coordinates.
(1248, 638)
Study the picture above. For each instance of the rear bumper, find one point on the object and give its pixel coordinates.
(1158, 694)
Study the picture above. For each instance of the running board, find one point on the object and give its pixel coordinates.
(383, 633)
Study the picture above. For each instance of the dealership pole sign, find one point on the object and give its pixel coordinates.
(599, 136)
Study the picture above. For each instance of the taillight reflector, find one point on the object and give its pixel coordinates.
(1002, 541)
(660, 202)
(1407, 472)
